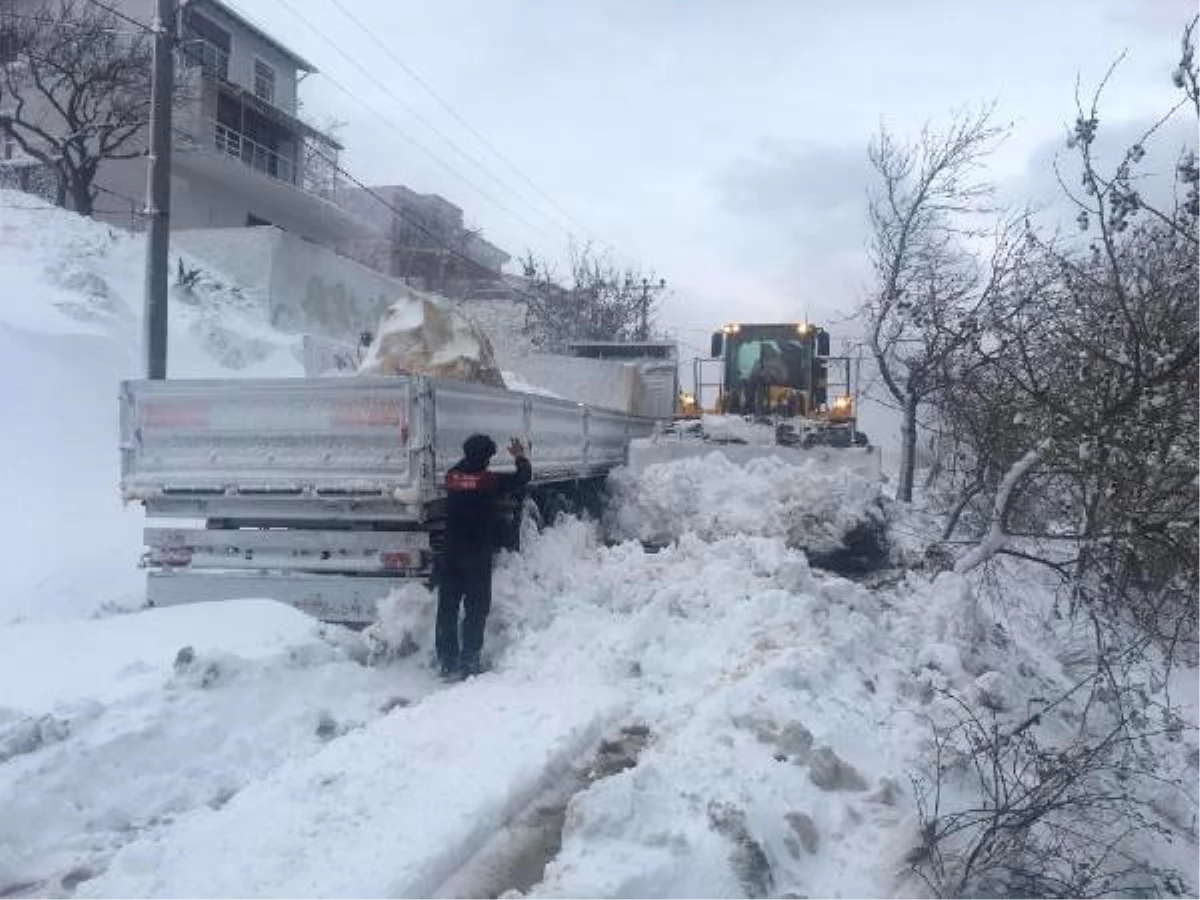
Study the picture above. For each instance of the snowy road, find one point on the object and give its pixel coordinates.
(266, 765)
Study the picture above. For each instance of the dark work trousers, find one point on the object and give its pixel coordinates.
(472, 587)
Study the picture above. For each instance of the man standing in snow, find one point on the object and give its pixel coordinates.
(466, 572)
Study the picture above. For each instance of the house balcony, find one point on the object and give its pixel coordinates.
(251, 153)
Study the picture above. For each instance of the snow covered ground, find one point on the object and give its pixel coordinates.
(716, 718)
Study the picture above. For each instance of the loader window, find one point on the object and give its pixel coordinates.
(784, 362)
(748, 355)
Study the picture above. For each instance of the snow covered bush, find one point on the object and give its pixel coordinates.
(1026, 806)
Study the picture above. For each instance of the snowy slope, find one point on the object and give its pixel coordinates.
(69, 332)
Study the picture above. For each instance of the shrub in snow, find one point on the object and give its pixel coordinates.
(1057, 802)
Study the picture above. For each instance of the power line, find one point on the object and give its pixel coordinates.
(400, 211)
(63, 24)
(383, 87)
(120, 15)
(416, 114)
(461, 121)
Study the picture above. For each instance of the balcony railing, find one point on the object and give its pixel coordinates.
(255, 155)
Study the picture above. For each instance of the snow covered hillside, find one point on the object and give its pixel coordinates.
(704, 714)
(70, 330)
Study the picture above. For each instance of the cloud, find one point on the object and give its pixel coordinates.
(782, 181)
(797, 213)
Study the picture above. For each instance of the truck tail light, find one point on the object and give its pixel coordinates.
(175, 556)
(395, 560)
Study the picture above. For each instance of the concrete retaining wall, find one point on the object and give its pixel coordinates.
(305, 287)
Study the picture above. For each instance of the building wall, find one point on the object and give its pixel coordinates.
(244, 49)
(305, 287)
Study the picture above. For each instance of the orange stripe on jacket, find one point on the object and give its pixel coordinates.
(470, 481)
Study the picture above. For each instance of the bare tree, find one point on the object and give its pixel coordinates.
(931, 288)
(602, 302)
(77, 92)
(1082, 422)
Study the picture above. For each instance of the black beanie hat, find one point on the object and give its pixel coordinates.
(479, 448)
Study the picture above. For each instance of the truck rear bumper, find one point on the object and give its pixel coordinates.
(346, 599)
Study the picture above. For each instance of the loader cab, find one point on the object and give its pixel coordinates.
(776, 369)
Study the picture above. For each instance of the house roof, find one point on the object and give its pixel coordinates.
(240, 19)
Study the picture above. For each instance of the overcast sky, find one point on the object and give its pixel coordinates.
(720, 142)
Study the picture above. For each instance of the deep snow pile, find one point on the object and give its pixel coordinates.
(812, 503)
(786, 713)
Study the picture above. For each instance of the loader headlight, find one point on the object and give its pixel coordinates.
(802, 328)
(842, 404)
(732, 328)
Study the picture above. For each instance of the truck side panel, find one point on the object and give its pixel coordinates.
(280, 436)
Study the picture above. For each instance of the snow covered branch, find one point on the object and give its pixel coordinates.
(994, 541)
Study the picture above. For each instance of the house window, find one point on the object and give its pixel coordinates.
(207, 45)
(264, 81)
(8, 146)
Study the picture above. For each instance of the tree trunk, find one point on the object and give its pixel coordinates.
(60, 187)
(80, 188)
(908, 450)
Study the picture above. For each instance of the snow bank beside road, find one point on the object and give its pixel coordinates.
(107, 731)
(814, 504)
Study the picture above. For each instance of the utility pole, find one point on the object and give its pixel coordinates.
(158, 190)
(647, 287)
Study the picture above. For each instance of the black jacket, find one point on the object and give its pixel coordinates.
(471, 492)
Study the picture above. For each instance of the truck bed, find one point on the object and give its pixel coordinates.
(324, 493)
(191, 446)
